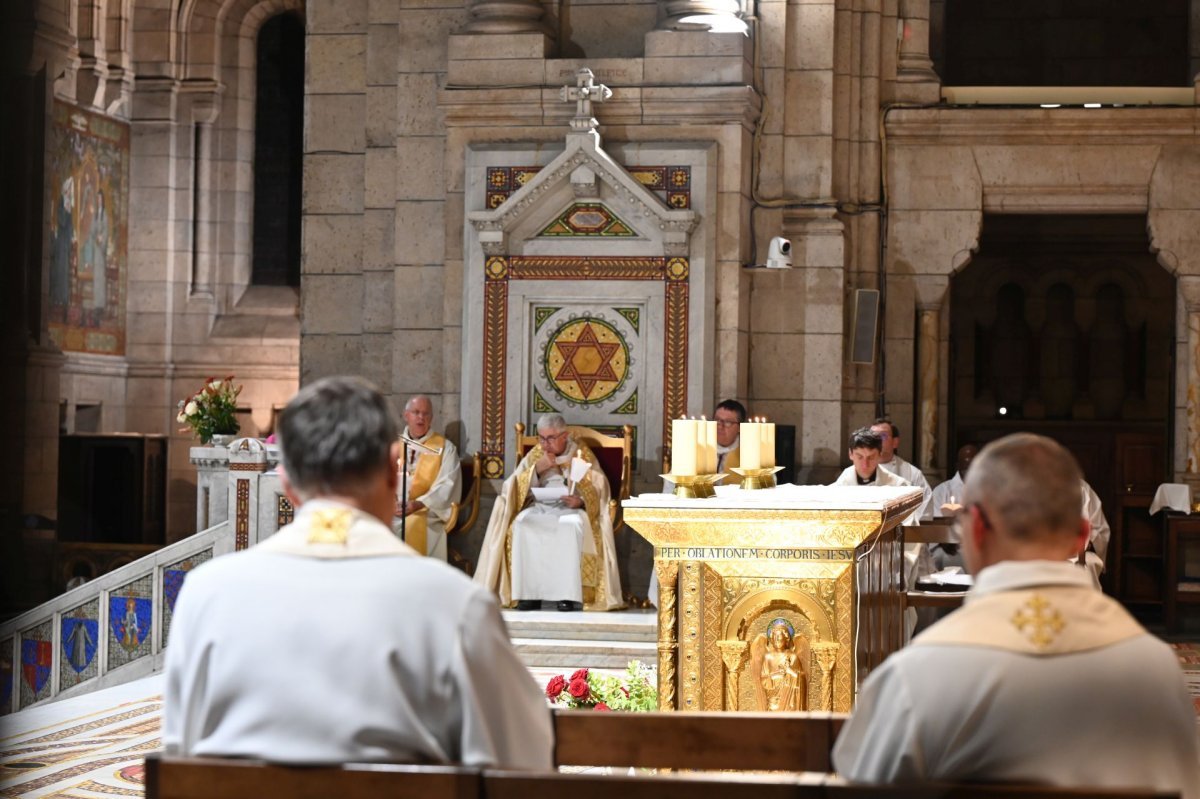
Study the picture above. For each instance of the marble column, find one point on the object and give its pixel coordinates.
(927, 384)
(916, 82)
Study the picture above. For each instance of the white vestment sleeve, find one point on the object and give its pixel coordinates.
(506, 718)
(186, 674)
(878, 743)
(1095, 515)
(446, 489)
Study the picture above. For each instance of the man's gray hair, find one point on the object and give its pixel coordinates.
(551, 421)
(334, 433)
(1030, 486)
(413, 400)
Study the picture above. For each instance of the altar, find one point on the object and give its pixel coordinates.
(776, 599)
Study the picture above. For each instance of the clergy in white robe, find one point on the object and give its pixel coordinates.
(434, 482)
(322, 644)
(950, 492)
(560, 550)
(1039, 677)
(1098, 543)
(889, 459)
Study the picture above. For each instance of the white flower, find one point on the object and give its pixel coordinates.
(181, 418)
(190, 409)
(215, 385)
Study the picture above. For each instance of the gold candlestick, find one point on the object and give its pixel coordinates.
(694, 486)
(753, 479)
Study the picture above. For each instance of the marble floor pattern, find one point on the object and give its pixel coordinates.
(91, 746)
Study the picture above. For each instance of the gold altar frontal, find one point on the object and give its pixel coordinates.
(781, 599)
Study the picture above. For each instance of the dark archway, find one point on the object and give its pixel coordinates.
(1065, 325)
(278, 151)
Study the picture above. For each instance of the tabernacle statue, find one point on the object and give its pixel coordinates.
(780, 678)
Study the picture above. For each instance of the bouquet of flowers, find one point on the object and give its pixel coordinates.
(211, 410)
(590, 690)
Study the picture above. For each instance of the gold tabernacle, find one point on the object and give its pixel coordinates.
(761, 605)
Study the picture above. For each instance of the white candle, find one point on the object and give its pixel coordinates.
(701, 447)
(683, 447)
(750, 445)
(711, 452)
(768, 447)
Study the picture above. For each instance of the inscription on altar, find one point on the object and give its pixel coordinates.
(751, 553)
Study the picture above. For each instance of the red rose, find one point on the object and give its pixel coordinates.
(578, 689)
(580, 674)
(555, 686)
(604, 707)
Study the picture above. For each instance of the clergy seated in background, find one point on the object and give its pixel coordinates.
(332, 641)
(1097, 546)
(946, 501)
(1039, 677)
(889, 436)
(433, 483)
(558, 549)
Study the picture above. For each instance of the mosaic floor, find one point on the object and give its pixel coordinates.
(91, 747)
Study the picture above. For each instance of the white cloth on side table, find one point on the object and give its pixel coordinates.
(1172, 496)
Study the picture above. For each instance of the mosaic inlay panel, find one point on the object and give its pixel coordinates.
(7, 675)
(586, 220)
(130, 615)
(672, 184)
(173, 577)
(586, 358)
(37, 661)
(80, 630)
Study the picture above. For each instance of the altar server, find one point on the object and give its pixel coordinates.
(558, 549)
(332, 641)
(889, 436)
(433, 482)
(1039, 677)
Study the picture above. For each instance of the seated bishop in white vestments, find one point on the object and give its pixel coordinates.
(1039, 677)
(560, 550)
(332, 641)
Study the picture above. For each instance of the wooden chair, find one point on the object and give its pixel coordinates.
(705, 740)
(170, 777)
(615, 454)
(458, 524)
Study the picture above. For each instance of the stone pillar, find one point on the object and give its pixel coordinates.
(212, 485)
(716, 16)
(916, 82)
(927, 384)
(505, 17)
(668, 572)
(247, 462)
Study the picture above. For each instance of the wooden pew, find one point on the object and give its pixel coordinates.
(522, 785)
(230, 778)
(936, 533)
(748, 741)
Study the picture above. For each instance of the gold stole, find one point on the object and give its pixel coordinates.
(416, 525)
(733, 459)
(589, 565)
(1046, 620)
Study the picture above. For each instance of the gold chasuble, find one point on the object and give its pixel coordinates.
(600, 580)
(416, 525)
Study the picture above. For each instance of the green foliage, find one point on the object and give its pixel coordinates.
(589, 690)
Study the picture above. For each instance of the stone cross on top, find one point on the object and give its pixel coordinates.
(585, 92)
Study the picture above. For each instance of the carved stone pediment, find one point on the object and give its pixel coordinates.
(583, 175)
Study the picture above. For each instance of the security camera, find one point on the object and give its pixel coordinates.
(779, 254)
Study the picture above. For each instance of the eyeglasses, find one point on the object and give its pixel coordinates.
(727, 423)
(963, 518)
(547, 439)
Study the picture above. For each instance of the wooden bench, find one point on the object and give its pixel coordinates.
(936, 533)
(711, 740)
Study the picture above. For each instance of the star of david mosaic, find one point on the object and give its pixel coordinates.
(587, 360)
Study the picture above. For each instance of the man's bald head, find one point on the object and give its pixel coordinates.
(418, 415)
(1029, 486)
